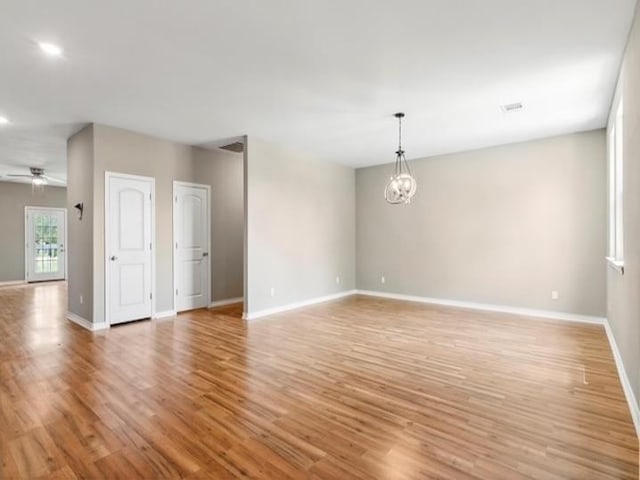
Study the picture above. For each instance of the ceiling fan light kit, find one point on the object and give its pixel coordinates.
(38, 178)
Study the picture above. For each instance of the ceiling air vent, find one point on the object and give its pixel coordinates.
(237, 147)
(512, 107)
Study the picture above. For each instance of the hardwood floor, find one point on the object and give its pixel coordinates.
(358, 388)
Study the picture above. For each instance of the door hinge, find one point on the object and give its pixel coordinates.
(176, 245)
(149, 196)
(151, 296)
(176, 199)
(176, 291)
(150, 246)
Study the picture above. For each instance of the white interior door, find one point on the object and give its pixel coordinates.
(192, 272)
(45, 235)
(128, 248)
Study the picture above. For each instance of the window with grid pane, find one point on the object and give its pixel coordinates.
(46, 238)
(616, 187)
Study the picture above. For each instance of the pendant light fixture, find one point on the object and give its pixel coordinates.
(402, 186)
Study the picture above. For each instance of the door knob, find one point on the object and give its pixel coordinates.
(205, 254)
(113, 258)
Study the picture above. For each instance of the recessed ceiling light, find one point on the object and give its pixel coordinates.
(50, 49)
(4, 120)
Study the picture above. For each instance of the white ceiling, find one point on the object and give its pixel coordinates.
(322, 76)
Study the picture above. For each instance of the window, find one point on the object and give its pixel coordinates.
(616, 244)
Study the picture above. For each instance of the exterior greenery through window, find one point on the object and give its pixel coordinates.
(46, 259)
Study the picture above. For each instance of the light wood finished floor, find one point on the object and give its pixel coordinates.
(359, 388)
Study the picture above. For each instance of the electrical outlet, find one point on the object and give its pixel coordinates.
(555, 295)
(273, 291)
(81, 300)
(382, 280)
(338, 280)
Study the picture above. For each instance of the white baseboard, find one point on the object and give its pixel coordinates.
(228, 301)
(293, 306)
(13, 283)
(570, 317)
(624, 379)
(164, 314)
(84, 323)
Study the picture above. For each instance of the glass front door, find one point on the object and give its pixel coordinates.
(45, 244)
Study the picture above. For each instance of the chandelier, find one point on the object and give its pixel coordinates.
(402, 186)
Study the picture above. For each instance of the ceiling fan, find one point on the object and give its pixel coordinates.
(38, 178)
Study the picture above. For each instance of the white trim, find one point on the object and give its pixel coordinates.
(12, 283)
(164, 314)
(615, 177)
(154, 247)
(228, 301)
(624, 379)
(617, 265)
(571, 317)
(86, 324)
(210, 279)
(292, 306)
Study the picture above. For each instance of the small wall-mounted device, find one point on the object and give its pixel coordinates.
(79, 207)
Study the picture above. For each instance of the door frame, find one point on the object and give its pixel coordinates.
(107, 268)
(28, 209)
(177, 183)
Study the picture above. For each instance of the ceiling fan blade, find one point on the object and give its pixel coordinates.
(54, 179)
(18, 175)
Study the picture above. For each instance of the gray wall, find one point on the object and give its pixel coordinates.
(13, 198)
(121, 151)
(98, 149)
(504, 225)
(224, 172)
(623, 306)
(80, 232)
(300, 227)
